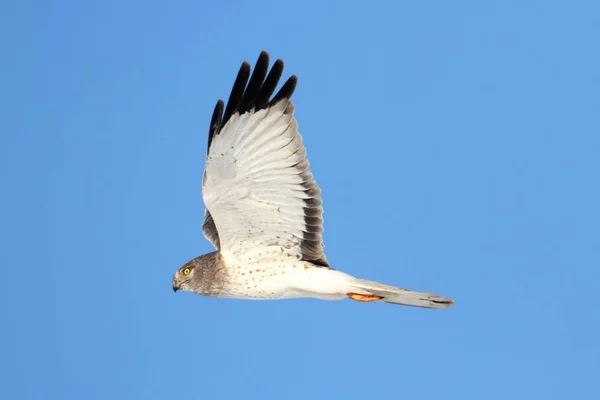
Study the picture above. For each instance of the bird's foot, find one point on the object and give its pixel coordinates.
(364, 298)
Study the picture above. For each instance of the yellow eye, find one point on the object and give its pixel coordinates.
(186, 271)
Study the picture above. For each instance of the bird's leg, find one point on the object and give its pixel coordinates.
(364, 298)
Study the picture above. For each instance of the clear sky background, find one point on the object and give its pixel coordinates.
(457, 145)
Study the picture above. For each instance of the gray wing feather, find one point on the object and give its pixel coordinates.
(210, 230)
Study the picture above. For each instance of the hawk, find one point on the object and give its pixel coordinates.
(263, 210)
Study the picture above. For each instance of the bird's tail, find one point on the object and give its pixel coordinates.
(364, 290)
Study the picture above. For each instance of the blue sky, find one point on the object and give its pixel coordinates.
(457, 145)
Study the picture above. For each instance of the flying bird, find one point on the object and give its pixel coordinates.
(263, 209)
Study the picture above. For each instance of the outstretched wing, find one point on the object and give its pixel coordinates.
(260, 196)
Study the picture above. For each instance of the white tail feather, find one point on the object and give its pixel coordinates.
(396, 295)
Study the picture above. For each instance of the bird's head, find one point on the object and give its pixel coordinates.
(185, 275)
(200, 275)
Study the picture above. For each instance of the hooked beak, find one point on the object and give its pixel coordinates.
(175, 284)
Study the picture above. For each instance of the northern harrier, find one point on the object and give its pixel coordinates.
(263, 207)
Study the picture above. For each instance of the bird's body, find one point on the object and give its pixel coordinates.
(274, 277)
(264, 210)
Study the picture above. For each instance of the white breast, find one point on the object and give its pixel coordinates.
(285, 278)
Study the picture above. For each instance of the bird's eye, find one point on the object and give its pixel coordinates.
(186, 271)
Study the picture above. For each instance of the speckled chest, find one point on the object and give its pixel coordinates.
(271, 278)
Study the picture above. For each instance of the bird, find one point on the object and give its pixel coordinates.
(263, 208)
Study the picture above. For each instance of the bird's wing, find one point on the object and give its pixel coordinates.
(259, 194)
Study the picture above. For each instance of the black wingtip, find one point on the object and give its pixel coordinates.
(215, 122)
(217, 113)
(269, 85)
(287, 90)
(263, 57)
(256, 81)
(252, 92)
(237, 91)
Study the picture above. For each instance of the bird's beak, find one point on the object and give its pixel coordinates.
(175, 284)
